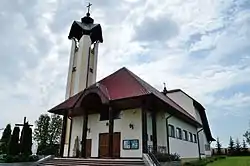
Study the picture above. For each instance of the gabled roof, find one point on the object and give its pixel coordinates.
(124, 84)
(202, 112)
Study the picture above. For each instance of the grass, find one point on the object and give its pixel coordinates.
(232, 161)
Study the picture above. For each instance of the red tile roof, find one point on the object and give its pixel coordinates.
(124, 84)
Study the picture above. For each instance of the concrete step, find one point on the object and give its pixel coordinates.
(92, 162)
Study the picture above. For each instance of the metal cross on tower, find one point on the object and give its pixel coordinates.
(89, 5)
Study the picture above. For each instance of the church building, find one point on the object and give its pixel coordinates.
(122, 116)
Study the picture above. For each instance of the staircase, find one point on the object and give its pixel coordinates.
(92, 162)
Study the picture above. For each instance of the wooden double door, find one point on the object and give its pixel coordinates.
(104, 145)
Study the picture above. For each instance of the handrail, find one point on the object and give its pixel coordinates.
(154, 159)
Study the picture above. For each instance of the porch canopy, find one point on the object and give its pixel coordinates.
(121, 90)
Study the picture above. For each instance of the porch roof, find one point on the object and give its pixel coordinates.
(122, 84)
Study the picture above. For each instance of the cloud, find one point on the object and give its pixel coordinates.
(156, 29)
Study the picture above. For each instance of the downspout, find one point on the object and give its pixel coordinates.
(198, 141)
(168, 132)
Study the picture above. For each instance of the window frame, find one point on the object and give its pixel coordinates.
(195, 138)
(191, 137)
(178, 133)
(171, 131)
(185, 135)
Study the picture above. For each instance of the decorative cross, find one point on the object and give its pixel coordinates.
(24, 122)
(89, 5)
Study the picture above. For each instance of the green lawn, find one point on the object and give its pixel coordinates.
(232, 161)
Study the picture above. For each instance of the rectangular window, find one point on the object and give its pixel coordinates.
(195, 138)
(185, 135)
(178, 133)
(171, 131)
(190, 137)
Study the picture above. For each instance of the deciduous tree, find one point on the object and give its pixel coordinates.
(55, 129)
(47, 133)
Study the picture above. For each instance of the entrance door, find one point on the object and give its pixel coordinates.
(116, 144)
(104, 145)
(88, 147)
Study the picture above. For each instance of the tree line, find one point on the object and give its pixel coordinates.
(235, 147)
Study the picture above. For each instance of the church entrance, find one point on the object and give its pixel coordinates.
(104, 145)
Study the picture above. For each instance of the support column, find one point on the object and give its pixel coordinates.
(70, 133)
(154, 131)
(65, 117)
(111, 132)
(84, 134)
(144, 131)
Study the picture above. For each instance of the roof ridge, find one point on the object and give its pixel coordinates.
(111, 74)
(138, 79)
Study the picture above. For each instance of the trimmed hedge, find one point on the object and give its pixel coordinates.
(204, 161)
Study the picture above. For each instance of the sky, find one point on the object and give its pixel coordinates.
(201, 47)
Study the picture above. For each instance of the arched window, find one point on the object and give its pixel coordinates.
(171, 131)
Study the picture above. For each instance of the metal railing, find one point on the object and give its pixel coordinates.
(154, 159)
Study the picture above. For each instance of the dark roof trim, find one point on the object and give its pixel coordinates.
(202, 112)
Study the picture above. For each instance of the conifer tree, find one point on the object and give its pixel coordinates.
(26, 140)
(244, 147)
(231, 146)
(13, 147)
(237, 146)
(218, 146)
(5, 139)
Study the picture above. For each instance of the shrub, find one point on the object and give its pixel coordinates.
(204, 161)
(164, 157)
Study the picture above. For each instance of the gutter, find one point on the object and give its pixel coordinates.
(198, 141)
(168, 132)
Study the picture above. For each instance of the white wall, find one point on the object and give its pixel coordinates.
(96, 127)
(77, 125)
(184, 148)
(132, 116)
(161, 129)
(120, 125)
(184, 101)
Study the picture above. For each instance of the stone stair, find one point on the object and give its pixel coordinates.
(92, 162)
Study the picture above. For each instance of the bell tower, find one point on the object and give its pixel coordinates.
(85, 37)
